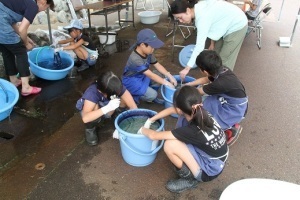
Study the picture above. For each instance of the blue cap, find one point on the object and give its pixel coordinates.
(148, 36)
(75, 23)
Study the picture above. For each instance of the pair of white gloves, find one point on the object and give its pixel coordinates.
(146, 125)
(172, 81)
(56, 47)
(113, 104)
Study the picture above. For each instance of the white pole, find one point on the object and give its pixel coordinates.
(298, 16)
(280, 10)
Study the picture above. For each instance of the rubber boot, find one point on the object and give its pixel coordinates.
(181, 184)
(184, 172)
(91, 136)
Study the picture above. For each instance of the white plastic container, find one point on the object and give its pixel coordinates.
(111, 38)
(149, 17)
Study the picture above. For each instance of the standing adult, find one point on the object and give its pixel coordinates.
(224, 23)
(16, 16)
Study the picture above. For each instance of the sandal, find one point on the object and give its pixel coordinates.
(35, 90)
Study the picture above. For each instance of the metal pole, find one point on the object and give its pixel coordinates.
(298, 16)
(280, 10)
(49, 26)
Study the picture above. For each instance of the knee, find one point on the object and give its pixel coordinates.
(169, 146)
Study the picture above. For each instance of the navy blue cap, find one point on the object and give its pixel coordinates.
(148, 36)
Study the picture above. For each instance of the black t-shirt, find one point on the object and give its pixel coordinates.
(226, 83)
(212, 142)
(88, 43)
(26, 8)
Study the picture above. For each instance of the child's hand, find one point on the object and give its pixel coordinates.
(58, 49)
(168, 84)
(172, 80)
(148, 123)
(140, 131)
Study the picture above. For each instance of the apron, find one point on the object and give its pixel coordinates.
(212, 166)
(135, 81)
(8, 18)
(225, 109)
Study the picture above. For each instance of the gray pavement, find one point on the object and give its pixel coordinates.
(267, 148)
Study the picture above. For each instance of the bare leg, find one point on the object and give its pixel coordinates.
(14, 80)
(178, 153)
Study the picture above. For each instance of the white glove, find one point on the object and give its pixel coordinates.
(112, 105)
(140, 131)
(113, 97)
(148, 123)
(172, 80)
(168, 84)
(58, 49)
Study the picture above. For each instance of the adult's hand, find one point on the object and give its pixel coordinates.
(29, 46)
(184, 72)
(112, 105)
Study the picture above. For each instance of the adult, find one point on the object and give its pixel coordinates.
(254, 8)
(16, 16)
(224, 23)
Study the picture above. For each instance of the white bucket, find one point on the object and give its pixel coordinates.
(111, 38)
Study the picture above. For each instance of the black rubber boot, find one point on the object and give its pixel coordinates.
(91, 136)
(181, 184)
(184, 172)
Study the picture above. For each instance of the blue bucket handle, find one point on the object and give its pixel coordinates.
(122, 139)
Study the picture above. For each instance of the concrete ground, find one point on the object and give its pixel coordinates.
(47, 129)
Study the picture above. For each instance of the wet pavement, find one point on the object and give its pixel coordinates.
(47, 128)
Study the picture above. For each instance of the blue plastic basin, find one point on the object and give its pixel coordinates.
(45, 56)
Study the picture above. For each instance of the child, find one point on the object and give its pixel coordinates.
(100, 100)
(137, 76)
(197, 146)
(81, 44)
(227, 100)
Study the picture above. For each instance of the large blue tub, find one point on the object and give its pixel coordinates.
(41, 60)
(138, 150)
(9, 95)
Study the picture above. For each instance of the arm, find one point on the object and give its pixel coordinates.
(167, 74)
(21, 30)
(65, 41)
(90, 111)
(252, 6)
(155, 135)
(127, 99)
(157, 78)
(199, 81)
(74, 45)
(164, 113)
(212, 45)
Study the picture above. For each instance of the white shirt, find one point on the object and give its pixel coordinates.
(215, 19)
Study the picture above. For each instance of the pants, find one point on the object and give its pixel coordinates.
(229, 47)
(15, 59)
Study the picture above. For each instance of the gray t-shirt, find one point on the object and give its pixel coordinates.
(253, 13)
(136, 60)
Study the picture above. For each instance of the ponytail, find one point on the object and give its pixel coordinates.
(180, 6)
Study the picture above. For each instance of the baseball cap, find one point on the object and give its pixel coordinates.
(148, 36)
(75, 23)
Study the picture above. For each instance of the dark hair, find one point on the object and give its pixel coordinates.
(180, 6)
(146, 44)
(51, 4)
(209, 61)
(190, 105)
(109, 84)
